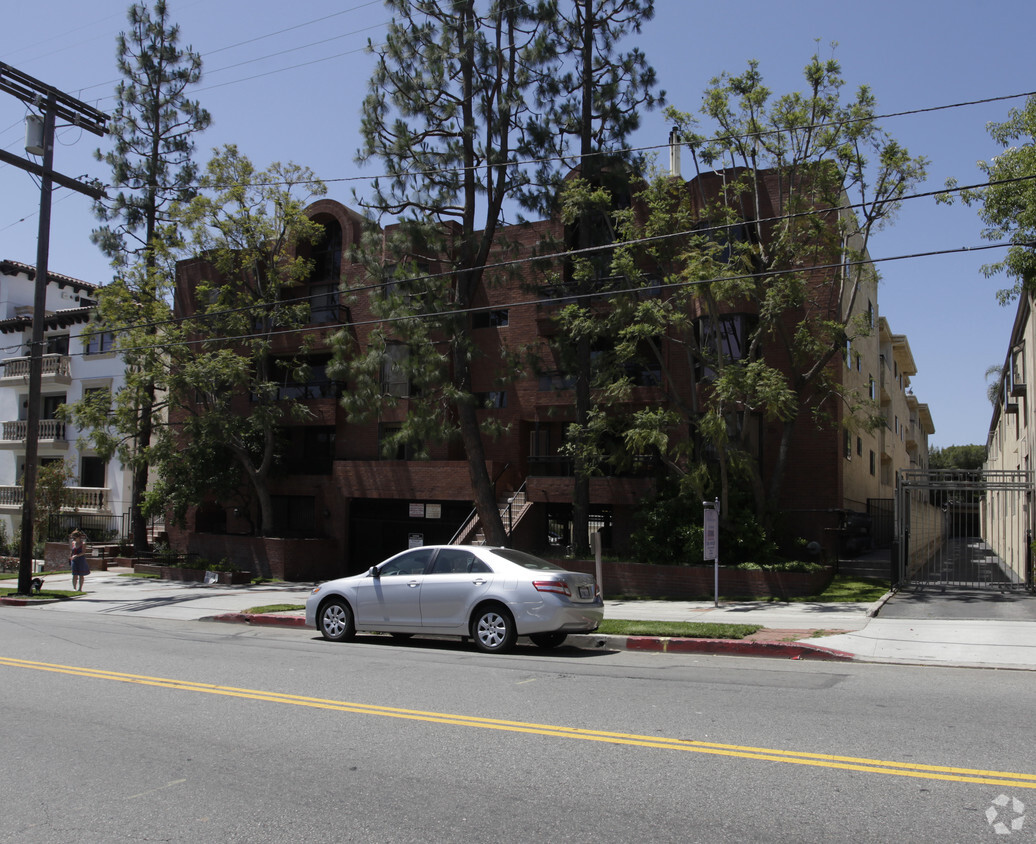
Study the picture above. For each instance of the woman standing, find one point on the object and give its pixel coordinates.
(80, 567)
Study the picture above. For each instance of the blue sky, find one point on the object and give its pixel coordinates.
(284, 82)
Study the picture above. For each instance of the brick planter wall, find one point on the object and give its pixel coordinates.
(697, 582)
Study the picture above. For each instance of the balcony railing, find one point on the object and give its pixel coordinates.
(54, 366)
(82, 497)
(50, 430)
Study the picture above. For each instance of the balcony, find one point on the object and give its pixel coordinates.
(51, 432)
(57, 369)
(83, 498)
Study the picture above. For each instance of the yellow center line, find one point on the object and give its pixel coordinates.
(793, 757)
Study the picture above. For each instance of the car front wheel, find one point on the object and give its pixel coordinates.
(548, 640)
(336, 621)
(493, 630)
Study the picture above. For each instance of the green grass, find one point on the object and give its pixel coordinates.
(265, 608)
(143, 575)
(44, 594)
(683, 629)
(845, 588)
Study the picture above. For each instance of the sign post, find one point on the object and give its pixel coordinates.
(711, 543)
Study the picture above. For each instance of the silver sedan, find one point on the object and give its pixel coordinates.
(490, 595)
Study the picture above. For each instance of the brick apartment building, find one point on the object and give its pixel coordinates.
(342, 504)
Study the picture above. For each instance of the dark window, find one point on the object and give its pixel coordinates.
(100, 343)
(307, 450)
(395, 379)
(489, 319)
(98, 397)
(57, 345)
(294, 515)
(50, 406)
(407, 563)
(872, 462)
(391, 447)
(492, 399)
(304, 379)
(93, 471)
(733, 330)
(323, 302)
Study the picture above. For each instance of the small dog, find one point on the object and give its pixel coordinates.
(37, 585)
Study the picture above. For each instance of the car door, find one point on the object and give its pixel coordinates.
(392, 600)
(456, 581)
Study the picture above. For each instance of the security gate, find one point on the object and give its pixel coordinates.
(964, 529)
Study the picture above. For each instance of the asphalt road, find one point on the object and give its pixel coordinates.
(128, 729)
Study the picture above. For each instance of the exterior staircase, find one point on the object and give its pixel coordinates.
(511, 512)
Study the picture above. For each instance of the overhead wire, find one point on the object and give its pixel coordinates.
(562, 255)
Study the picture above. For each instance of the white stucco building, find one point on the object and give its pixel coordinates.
(72, 366)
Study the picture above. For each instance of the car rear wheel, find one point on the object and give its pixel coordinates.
(336, 621)
(548, 640)
(493, 630)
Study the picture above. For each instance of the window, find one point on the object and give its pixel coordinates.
(870, 389)
(872, 462)
(99, 343)
(391, 446)
(456, 561)
(100, 397)
(306, 379)
(556, 381)
(294, 515)
(494, 399)
(733, 332)
(489, 319)
(51, 405)
(57, 345)
(394, 380)
(307, 450)
(859, 447)
(848, 445)
(323, 302)
(92, 472)
(409, 563)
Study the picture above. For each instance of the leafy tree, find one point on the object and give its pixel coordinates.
(1009, 201)
(803, 182)
(52, 494)
(957, 457)
(229, 393)
(446, 105)
(153, 128)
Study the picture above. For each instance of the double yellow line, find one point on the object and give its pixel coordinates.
(819, 760)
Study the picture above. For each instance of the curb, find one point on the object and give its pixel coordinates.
(259, 619)
(661, 644)
(716, 647)
(27, 602)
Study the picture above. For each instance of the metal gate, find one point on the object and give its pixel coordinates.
(964, 529)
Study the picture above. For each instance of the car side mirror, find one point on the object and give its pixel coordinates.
(374, 572)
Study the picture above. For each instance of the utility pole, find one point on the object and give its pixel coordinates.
(54, 104)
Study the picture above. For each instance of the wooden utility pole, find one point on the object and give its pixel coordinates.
(54, 104)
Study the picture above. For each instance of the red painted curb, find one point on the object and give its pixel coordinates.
(734, 647)
(268, 620)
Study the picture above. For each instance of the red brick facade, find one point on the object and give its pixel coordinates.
(368, 506)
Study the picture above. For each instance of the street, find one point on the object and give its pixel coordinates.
(122, 729)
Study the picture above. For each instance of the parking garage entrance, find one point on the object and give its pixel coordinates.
(960, 529)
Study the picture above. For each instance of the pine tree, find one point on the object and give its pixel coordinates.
(153, 129)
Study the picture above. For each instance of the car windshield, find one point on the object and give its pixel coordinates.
(524, 560)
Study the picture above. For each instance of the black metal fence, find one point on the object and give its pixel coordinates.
(98, 528)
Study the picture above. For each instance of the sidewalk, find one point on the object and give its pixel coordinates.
(791, 631)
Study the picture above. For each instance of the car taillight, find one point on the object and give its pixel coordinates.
(559, 587)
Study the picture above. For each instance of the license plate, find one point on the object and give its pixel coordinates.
(584, 591)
